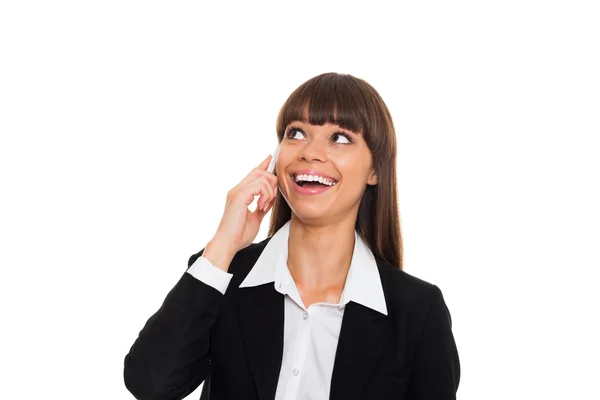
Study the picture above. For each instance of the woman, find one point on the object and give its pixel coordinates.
(322, 308)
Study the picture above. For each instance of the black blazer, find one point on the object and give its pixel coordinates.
(234, 342)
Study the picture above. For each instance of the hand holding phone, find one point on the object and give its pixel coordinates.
(238, 227)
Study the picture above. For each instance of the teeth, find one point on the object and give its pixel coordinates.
(313, 178)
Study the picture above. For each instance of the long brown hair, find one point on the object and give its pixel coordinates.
(353, 104)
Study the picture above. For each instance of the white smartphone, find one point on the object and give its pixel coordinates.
(273, 159)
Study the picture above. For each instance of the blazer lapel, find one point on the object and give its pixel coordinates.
(261, 314)
(359, 346)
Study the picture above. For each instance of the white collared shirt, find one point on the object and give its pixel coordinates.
(310, 334)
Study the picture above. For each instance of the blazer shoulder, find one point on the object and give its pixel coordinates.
(244, 260)
(405, 290)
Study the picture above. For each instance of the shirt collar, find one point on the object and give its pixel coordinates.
(363, 283)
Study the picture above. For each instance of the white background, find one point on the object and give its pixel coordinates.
(125, 123)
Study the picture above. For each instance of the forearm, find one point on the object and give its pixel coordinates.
(169, 359)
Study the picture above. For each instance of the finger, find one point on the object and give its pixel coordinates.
(269, 184)
(263, 202)
(253, 185)
(249, 193)
(261, 211)
(271, 202)
(273, 179)
(269, 193)
(263, 165)
(267, 207)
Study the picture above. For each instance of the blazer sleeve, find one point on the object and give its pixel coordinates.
(170, 357)
(436, 369)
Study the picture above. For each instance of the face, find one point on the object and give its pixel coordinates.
(329, 151)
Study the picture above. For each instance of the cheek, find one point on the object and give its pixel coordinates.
(282, 162)
(353, 171)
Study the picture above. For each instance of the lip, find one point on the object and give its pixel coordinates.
(312, 172)
(309, 190)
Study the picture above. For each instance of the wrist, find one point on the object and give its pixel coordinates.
(219, 253)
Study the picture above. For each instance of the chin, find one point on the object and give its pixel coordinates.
(311, 210)
(316, 214)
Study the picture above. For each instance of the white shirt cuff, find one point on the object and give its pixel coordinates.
(205, 271)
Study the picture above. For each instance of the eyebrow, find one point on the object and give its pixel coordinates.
(291, 125)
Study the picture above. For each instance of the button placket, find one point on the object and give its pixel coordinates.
(300, 353)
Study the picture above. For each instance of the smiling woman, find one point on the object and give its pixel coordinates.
(346, 119)
(321, 308)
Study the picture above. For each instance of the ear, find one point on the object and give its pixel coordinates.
(373, 180)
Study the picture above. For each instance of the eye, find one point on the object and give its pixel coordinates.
(291, 133)
(342, 134)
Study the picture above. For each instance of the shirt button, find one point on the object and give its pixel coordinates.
(305, 315)
(295, 372)
(279, 285)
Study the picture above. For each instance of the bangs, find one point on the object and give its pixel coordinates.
(327, 98)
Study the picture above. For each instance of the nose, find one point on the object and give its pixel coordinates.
(313, 151)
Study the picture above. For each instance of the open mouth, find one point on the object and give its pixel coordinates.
(312, 184)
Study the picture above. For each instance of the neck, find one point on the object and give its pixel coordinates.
(319, 256)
